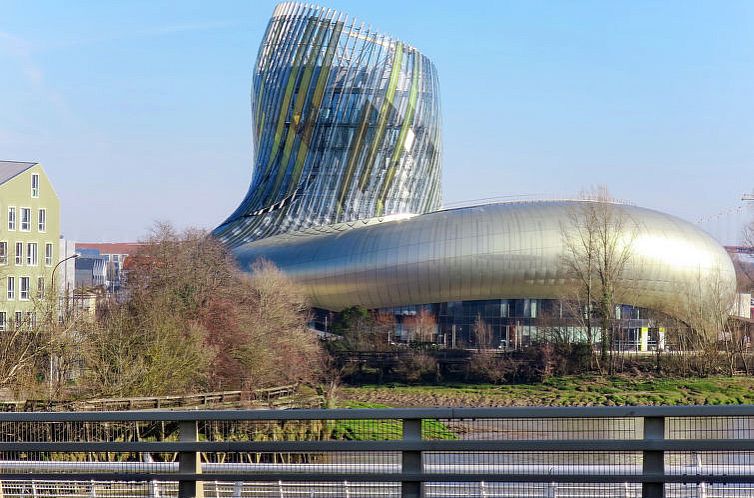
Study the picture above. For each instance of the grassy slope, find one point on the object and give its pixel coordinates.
(565, 391)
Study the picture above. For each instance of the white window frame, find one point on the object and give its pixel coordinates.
(19, 255)
(11, 288)
(42, 220)
(40, 287)
(4, 260)
(12, 218)
(21, 212)
(32, 257)
(19, 318)
(35, 188)
(21, 281)
(49, 255)
(3, 320)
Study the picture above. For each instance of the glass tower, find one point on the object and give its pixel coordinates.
(346, 126)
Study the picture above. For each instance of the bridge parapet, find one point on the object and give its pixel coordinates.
(576, 451)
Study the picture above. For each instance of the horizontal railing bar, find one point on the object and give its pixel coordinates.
(388, 477)
(386, 413)
(623, 445)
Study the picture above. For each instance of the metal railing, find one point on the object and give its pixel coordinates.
(690, 451)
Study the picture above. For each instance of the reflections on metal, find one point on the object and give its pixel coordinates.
(507, 250)
(346, 126)
(346, 129)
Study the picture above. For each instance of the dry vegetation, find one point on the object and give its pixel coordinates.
(188, 320)
(191, 320)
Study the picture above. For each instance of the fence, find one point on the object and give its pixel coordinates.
(279, 397)
(628, 452)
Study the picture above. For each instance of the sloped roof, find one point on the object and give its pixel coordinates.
(11, 169)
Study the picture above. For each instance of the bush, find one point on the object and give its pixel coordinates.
(490, 367)
(417, 367)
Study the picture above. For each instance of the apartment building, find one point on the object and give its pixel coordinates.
(29, 233)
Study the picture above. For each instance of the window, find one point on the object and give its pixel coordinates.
(25, 219)
(11, 218)
(24, 288)
(35, 185)
(18, 319)
(19, 253)
(31, 254)
(40, 287)
(11, 288)
(3, 320)
(31, 320)
(42, 225)
(48, 254)
(3, 253)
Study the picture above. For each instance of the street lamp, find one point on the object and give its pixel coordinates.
(50, 319)
(52, 279)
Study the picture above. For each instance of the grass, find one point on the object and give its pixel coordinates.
(380, 430)
(587, 390)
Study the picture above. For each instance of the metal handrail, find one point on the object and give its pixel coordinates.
(586, 412)
(413, 472)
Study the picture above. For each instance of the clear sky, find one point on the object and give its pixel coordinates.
(139, 110)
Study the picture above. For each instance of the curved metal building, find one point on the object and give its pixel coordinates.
(346, 126)
(346, 188)
(495, 251)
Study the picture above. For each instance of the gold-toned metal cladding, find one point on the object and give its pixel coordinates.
(507, 250)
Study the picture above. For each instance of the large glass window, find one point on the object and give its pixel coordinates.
(11, 218)
(19, 253)
(11, 288)
(48, 254)
(42, 220)
(25, 219)
(3, 253)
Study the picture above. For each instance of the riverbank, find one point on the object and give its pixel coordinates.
(563, 391)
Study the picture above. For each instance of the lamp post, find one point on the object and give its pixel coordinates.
(52, 279)
(50, 318)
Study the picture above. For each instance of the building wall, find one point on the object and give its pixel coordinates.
(495, 251)
(346, 126)
(16, 193)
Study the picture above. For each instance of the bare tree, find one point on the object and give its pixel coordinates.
(22, 346)
(482, 332)
(192, 320)
(598, 240)
(421, 327)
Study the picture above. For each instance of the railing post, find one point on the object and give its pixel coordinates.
(411, 461)
(189, 461)
(653, 461)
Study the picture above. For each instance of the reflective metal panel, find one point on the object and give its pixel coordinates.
(346, 126)
(509, 250)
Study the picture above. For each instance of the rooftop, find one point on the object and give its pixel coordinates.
(11, 169)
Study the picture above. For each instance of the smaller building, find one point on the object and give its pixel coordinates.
(90, 273)
(113, 256)
(29, 233)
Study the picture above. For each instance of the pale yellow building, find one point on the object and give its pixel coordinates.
(29, 233)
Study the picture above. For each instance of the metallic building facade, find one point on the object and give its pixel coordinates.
(494, 251)
(346, 126)
(346, 189)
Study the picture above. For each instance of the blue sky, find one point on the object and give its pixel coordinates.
(139, 110)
